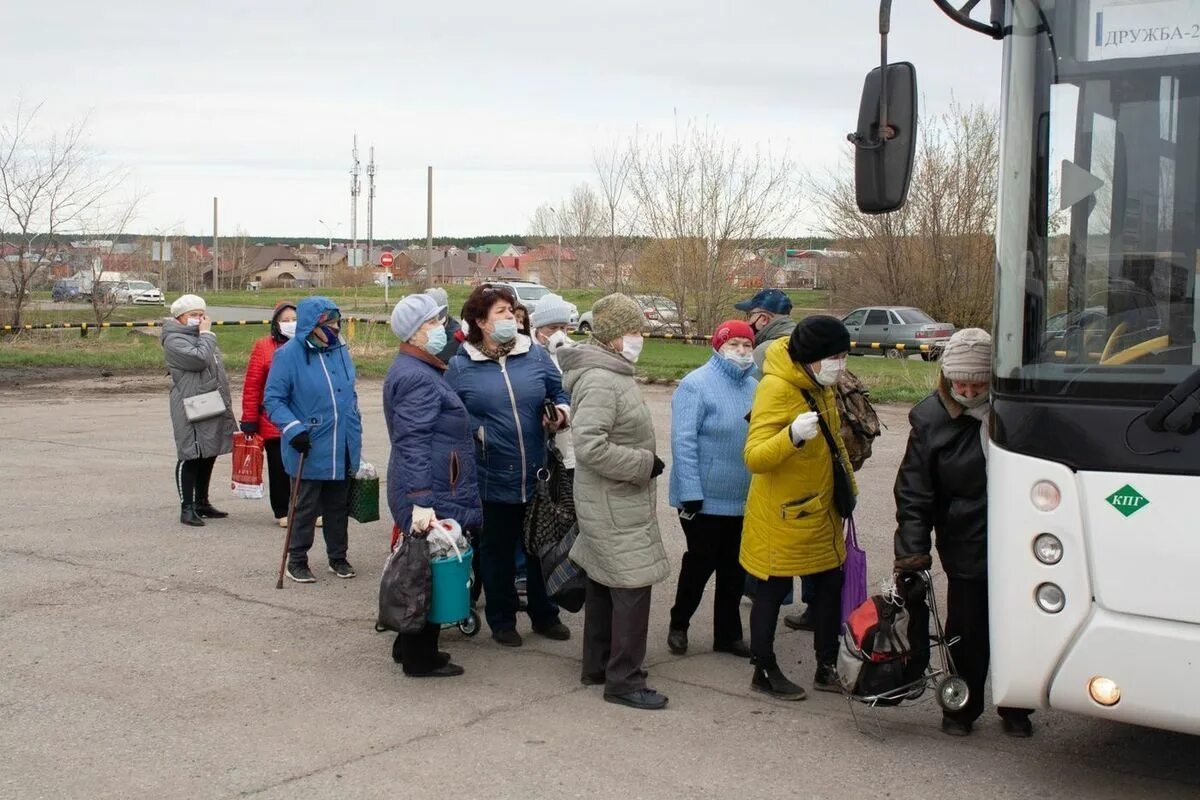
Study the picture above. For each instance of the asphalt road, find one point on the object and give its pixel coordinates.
(140, 659)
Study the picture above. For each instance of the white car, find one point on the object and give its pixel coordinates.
(138, 292)
(528, 293)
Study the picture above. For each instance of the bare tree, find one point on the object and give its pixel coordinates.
(47, 186)
(937, 252)
(112, 223)
(704, 201)
(619, 214)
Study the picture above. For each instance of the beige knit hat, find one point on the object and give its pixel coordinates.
(616, 315)
(968, 356)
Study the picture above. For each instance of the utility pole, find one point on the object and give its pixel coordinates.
(429, 231)
(216, 251)
(371, 206)
(355, 187)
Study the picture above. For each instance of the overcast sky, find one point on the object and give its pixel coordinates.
(256, 103)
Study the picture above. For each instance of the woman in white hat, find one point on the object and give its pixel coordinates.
(201, 409)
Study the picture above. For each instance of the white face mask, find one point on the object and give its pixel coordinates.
(193, 322)
(831, 370)
(739, 360)
(631, 347)
(504, 330)
(288, 329)
(558, 341)
(969, 402)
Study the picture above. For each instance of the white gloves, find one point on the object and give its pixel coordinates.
(805, 427)
(422, 519)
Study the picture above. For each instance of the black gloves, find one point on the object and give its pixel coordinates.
(300, 443)
(692, 507)
(658, 468)
(249, 428)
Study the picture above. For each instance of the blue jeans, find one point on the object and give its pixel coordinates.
(503, 524)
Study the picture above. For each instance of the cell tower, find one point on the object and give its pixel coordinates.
(371, 207)
(355, 187)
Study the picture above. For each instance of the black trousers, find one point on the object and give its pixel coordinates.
(615, 626)
(317, 498)
(713, 544)
(192, 479)
(417, 652)
(278, 482)
(503, 528)
(825, 605)
(967, 618)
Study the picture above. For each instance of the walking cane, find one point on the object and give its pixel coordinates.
(287, 539)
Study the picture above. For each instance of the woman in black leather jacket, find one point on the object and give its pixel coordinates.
(942, 487)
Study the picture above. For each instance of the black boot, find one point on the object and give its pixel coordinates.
(205, 509)
(188, 515)
(770, 680)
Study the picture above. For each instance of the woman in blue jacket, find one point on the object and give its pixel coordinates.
(505, 383)
(431, 471)
(310, 397)
(709, 483)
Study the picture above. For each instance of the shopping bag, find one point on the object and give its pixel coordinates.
(406, 588)
(854, 581)
(363, 503)
(247, 466)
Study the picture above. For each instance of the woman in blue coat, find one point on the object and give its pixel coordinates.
(709, 483)
(431, 470)
(505, 382)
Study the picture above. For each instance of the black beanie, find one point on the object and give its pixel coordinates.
(816, 338)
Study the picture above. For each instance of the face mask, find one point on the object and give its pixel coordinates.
(288, 329)
(505, 330)
(980, 412)
(969, 402)
(558, 341)
(631, 347)
(193, 322)
(739, 360)
(831, 370)
(436, 341)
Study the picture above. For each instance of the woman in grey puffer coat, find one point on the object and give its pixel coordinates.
(195, 364)
(619, 544)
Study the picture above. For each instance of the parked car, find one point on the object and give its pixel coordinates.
(66, 290)
(137, 292)
(893, 325)
(662, 315)
(385, 279)
(528, 293)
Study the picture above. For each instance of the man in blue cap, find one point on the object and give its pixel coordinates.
(769, 315)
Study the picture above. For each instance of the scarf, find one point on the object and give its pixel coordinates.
(497, 352)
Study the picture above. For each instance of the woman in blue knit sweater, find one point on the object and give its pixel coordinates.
(709, 483)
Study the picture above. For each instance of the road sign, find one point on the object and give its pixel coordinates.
(386, 260)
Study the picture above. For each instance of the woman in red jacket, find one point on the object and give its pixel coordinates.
(254, 420)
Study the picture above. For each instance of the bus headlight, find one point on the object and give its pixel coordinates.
(1045, 496)
(1050, 598)
(1104, 691)
(1047, 548)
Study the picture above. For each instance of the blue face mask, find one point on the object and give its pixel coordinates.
(505, 330)
(436, 342)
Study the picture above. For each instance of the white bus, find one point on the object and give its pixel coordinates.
(1094, 460)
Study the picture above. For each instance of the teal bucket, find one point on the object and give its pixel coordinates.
(451, 601)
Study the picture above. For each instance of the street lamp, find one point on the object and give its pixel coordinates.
(329, 249)
(558, 251)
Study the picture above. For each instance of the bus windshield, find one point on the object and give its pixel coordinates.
(1098, 231)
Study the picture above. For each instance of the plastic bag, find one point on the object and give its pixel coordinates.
(247, 466)
(446, 538)
(366, 471)
(405, 588)
(854, 583)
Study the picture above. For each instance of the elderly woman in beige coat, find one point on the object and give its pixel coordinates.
(619, 544)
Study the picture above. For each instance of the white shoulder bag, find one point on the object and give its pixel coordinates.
(204, 406)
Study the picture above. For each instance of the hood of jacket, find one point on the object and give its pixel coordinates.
(575, 361)
(778, 328)
(172, 326)
(780, 364)
(308, 313)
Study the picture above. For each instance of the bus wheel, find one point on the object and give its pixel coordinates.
(953, 694)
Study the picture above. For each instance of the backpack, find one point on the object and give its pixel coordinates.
(860, 423)
(885, 647)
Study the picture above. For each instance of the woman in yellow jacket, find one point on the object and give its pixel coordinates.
(793, 525)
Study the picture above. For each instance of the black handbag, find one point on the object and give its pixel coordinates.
(844, 499)
(551, 513)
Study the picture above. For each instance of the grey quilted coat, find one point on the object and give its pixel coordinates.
(619, 543)
(195, 364)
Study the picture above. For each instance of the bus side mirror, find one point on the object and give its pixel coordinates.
(886, 139)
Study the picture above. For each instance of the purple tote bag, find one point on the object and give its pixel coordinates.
(854, 582)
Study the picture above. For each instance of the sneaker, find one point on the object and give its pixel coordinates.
(508, 638)
(556, 631)
(300, 573)
(737, 648)
(677, 641)
(342, 569)
(826, 679)
(641, 699)
(799, 622)
(770, 680)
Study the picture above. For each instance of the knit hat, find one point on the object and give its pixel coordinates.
(816, 338)
(731, 329)
(439, 295)
(616, 315)
(551, 309)
(186, 303)
(411, 313)
(968, 356)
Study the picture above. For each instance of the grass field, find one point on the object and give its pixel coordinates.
(373, 348)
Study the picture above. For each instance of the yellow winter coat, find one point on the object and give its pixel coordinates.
(791, 526)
